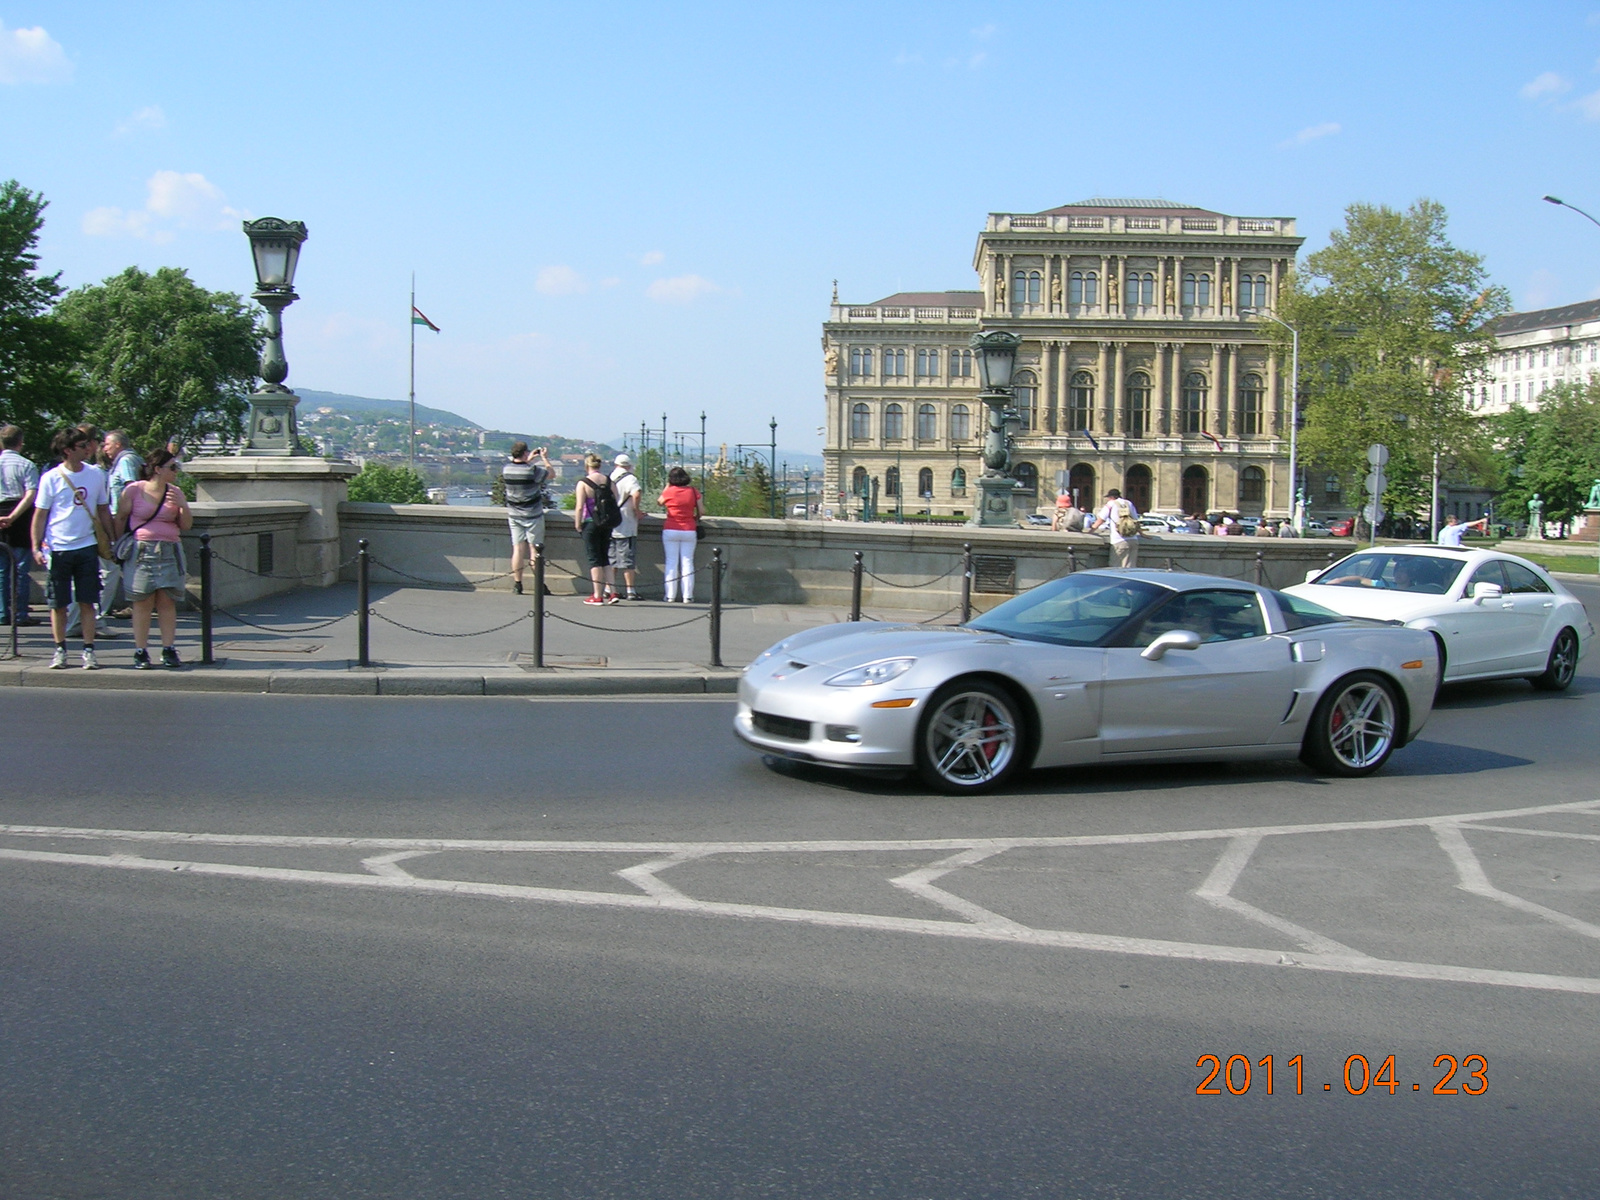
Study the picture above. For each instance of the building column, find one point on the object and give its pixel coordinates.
(1105, 384)
(1216, 286)
(1275, 394)
(1277, 282)
(1044, 408)
(1120, 422)
(1160, 417)
(1105, 286)
(1214, 421)
(1233, 286)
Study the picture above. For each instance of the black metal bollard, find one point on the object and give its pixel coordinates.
(1261, 568)
(1169, 562)
(538, 605)
(855, 589)
(205, 600)
(966, 582)
(716, 606)
(363, 562)
(1072, 561)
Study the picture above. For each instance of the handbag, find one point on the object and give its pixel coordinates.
(127, 544)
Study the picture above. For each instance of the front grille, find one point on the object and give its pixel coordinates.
(784, 727)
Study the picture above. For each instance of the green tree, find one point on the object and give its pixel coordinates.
(1395, 323)
(1554, 451)
(163, 358)
(380, 484)
(38, 390)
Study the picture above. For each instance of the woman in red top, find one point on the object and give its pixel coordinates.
(684, 507)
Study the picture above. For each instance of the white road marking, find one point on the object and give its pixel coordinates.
(382, 871)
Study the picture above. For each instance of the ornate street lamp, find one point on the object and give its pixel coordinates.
(275, 245)
(996, 352)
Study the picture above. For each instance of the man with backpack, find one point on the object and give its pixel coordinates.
(595, 515)
(1121, 519)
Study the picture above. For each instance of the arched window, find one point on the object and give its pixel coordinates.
(1250, 396)
(1136, 486)
(927, 363)
(1252, 291)
(927, 423)
(1332, 488)
(1252, 485)
(960, 423)
(1083, 287)
(1141, 289)
(1136, 405)
(858, 482)
(894, 363)
(1080, 483)
(860, 360)
(1195, 392)
(925, 483)
(1196, 491)
(861, 421)
(958, 482)
(1025, 389)
(1080, 402)
(961, 364)
(1027, 477)
(891, 481)
(1196, 290)
(894, 423)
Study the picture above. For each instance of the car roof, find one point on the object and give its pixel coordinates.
(1177, 581)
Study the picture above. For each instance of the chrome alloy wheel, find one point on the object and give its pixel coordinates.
(1361, 725)
(1562, 664)
(970, 738)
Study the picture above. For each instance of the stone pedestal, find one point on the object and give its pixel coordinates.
(996, 501)
(318, 482)
(1589, 531)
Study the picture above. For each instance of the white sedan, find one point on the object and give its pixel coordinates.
(1493, 615)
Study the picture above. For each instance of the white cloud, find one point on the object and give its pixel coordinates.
(146, 120)
(32, 56)
(559, 281)
(984, 32)
(173, 198)
(1548, 84)
(1589, 106)
(651, 257)
(1310, 134)
(681, 289)
(610, 281)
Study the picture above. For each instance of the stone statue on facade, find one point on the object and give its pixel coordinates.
(1536, 517)
(1171, 293)
(1594, 496)
(1000, 290)
(1227, 292)
(830, 362)
(1055, 291)
(1111, 290)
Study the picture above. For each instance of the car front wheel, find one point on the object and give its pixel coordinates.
(1562, 664)
(1353, 729)
(970, 738)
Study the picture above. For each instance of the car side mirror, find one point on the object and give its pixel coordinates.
(1173, 639)
(1486, 591)
(1313, 573)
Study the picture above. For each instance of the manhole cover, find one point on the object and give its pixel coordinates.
(277, 646)
(525, 659)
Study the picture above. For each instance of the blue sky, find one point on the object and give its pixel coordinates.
(615, 210)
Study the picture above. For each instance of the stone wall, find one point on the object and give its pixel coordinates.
(245, 535)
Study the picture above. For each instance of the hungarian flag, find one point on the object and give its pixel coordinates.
(1214, 440)
(420, 318)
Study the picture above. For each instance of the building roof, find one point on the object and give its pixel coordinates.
(1105, 204)
(933, 299)
(1546, 318)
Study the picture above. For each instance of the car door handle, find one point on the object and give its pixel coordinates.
(1548, 604)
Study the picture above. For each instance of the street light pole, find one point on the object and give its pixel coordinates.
(1294, 416)
(702, 451)
(772, 467)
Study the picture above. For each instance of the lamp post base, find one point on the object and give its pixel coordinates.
(273, 432)
(995, 501)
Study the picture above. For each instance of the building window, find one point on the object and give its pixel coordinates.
(960, 423)
(860, 422)
(894, 423)
(1024, 389)
(1136, 408)
(1505, 393)
(1519, 393)
(1252, 485)
(1544, 357)
(858, 482)
(1027, 287)
(1252, 291)
(1084, 288)
(1250, 395)
(1027, 477)
(925, 483)
(958, 482)
(927, 363)
(891, 481)
(1141, 289)
(894, 364)
(1196, 291)
(1194, 403)
(1080, 402)
(860, 360)
(1332, 488)
(961, 364)
(927, 423)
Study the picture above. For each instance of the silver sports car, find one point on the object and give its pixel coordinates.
(1099, 667)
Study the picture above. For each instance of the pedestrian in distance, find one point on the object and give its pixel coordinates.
(680, 531)
(124, 466)
(595, 515)
(19, 484)
(1454, 530)
(156, 512)
(1069, 517)
(525, 477)
(1120, 519)
(94, 456)
(71, 520)
(625, 537)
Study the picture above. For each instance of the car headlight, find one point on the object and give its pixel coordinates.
(872, 673)
(772, 650)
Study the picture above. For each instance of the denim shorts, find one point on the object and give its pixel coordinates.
(526, 529)
(74, 575)
(155, 567)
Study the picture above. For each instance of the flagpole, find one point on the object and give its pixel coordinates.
(411, 323)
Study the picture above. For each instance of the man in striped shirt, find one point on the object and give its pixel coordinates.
(526, 476)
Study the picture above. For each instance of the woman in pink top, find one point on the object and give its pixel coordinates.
(156, 510)
(684, 507)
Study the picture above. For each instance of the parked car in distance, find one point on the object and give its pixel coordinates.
(1343, 527)
(1492, 615)
(1156, 525)
(1314, 528)
(1039, 520)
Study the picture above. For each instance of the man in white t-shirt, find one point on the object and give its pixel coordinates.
(1113, 517)
(625, 537)
(1454, 530)
(73, 499)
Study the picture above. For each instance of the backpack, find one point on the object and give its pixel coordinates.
(606, 512)
(1127, 523)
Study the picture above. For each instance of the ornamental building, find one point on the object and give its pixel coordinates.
(1142, 367)
(1535, 350)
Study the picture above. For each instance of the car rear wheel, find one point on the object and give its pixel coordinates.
(1353, 729)
(970, 738)
(1561, 666)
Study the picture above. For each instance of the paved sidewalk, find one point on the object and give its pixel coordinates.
(436, 642)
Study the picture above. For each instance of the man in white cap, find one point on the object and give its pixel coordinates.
(625, 537)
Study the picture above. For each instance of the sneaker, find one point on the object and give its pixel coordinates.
(90, 663)
(593, 600)
(516, 587)
(141, 660)
(169, 657)
(613, 598)
(58, 661)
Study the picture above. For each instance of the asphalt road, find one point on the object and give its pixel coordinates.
(502, 1016)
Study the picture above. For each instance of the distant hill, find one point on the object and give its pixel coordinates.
(395, 409)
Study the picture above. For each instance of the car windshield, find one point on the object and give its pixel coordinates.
(1081, 610)
(1300, 613)
(1420, 573)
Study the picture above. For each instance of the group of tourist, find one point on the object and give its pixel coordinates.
(102, 521)
(606, 517)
